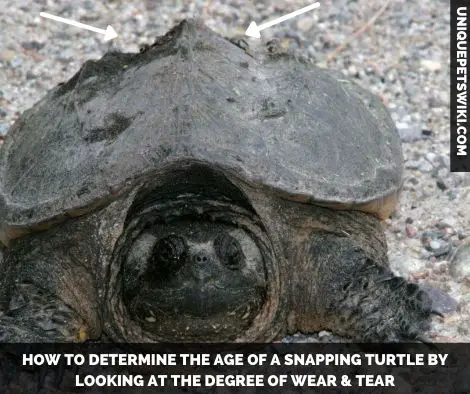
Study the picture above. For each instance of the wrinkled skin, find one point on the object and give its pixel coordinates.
(195, 254)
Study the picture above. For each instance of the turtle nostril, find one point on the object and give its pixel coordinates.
(200, 258)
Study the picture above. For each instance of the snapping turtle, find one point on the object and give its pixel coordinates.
(197, 192)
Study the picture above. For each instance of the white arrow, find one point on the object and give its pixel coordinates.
(109, 33)
(254, 30)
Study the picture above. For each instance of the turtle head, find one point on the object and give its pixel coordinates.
(191, 263)
(193, 280)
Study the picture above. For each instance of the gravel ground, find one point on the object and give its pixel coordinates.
(403, 57)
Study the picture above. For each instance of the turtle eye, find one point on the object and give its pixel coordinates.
(229, 251)
(169, 254)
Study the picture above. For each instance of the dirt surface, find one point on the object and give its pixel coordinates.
(398, 49)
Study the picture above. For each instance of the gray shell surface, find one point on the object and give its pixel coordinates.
(303, 132)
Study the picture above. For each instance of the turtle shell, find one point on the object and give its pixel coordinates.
(275, 121)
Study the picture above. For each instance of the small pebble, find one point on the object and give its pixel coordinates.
(404, 266)
(441, 301)
(462, 235)
(409, 133)
(305, 24)
(17, 61)
(412, 164)
(433, 242)
(449, 181)
(66, 55)
(439, 99)
(440, 267)
(7, 56)
(452, 195)
(425, 166)
(410, 231)
(3, 129)
(431, 65)
(442, 184)
(446, 224)
(431, 157)
(440, 247)
(459, 263)
(34, 45)
(426, 132)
